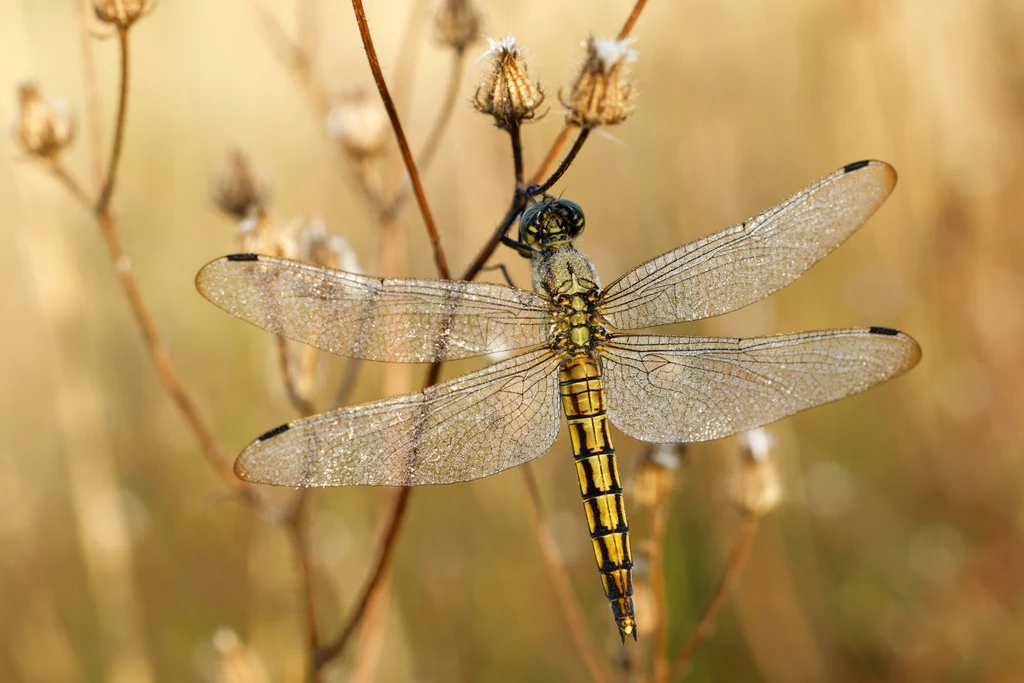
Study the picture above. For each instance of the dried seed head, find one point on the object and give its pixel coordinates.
(316, 244)
(457, 23)
(42, 128)
(121, 13)
(600, 95)
(655, 477)
(754, 488)
(239, 192)
(360, 123)
(507, 93)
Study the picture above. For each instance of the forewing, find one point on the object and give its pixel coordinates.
(374, 318)
(744, 263)
(666, 389)
(470, 427)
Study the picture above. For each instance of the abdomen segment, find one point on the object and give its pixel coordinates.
(582, 394)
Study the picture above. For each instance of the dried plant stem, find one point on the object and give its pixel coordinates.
(122, 267)
(631, 20)
(161, 359)
(560, 582)
(292, 383)
(741, 547)
(549, 159)
(564, 166)
(655, 556)
(122, 113)
(410, 165)
(516, 138)
(92, 98)
(385, 548)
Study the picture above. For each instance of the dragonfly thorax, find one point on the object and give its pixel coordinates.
(551, 223)
(578, 324)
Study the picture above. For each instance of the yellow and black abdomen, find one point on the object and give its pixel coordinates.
(582, 393)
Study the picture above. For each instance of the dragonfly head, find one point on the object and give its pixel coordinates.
(551, 223)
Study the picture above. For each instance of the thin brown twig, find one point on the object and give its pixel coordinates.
(549, 159)
(122, 267)
(631, 20)
(122, 115)
(516, 138)
(92, 99)
(742, 545)
(560, 582)
(562, 167)
(385, 548)
(291, 383)
(410, 164)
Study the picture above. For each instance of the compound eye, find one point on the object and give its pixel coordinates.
(528, 232)
(572, 215)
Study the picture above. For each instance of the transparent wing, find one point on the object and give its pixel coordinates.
(744, 263)
(664, 389)
(470, 427)
(374, 318)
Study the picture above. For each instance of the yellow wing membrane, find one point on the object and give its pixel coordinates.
(742, 264)
(374, 318)
(667, 389)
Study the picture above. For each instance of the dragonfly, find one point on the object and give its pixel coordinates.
(575, 350)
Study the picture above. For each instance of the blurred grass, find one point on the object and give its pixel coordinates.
(899, 555)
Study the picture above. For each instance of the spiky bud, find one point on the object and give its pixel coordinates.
(239, 192)
(360, 123)
(600, 94)
(754, 488)
(121, 13)
(457, 23)
(507, 93)
(42, 128)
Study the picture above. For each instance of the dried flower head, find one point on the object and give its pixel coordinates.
(239, 192)
(655, 477)
(316, 244)
(457, 23)
(600, 95)
(42, 128)
(121, 13)
(754, 488)
(359, 122)
(507, 93)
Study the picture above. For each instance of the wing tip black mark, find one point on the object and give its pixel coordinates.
(242, 257)
(856, 166)
(274, 432)
(887, 331)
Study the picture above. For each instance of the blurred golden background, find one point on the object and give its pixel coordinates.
(898, 552)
